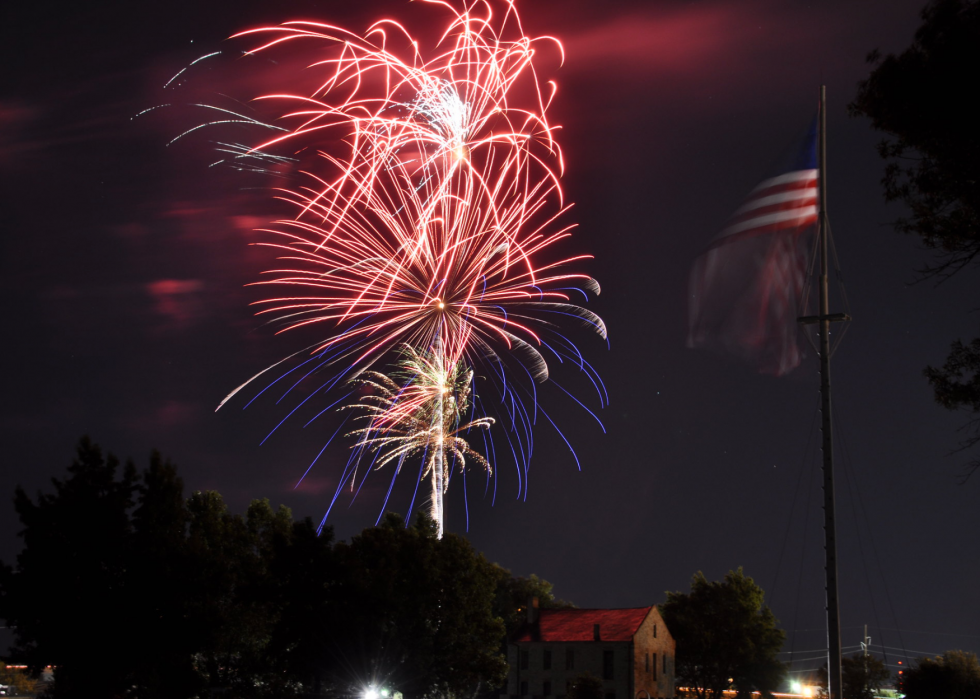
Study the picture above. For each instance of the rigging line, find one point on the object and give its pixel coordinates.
(850, 481)
(807, 288)
(792, 509)
(808, 280)
(874, 547)
(799, 583)
(840, 289)
(839, 273)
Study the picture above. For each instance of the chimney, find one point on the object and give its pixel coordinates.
(596, 636)
(532, 611)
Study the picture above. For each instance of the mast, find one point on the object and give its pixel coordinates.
(824, 319)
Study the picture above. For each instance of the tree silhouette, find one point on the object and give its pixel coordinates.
(932, 147)
(725, 636)
(130, 589)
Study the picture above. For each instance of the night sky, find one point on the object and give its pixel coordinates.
(124, 264)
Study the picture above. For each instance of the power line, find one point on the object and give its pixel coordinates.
(935, 633)
(909, 650)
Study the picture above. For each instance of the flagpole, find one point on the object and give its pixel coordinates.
(830, 526)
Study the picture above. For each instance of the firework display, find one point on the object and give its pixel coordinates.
(424, 236)
(422, 411)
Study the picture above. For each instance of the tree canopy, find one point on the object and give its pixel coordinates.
(514, 593)
(918, 99)
(131, 589)
(921, 100)
(69, 596)
(418, 610)
(953, 675)
(16, 682)
(725, 637)
(862, 676)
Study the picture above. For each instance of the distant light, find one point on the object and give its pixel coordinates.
(796, 687)
(371, 693)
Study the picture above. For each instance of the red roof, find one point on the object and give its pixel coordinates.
(564, 625)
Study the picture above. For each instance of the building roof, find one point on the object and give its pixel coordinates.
(565, 625)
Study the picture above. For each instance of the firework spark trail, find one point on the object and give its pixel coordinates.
(453, 111)
(423, 413)
(419, 229)
(443, 261)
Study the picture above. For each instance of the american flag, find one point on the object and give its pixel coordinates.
(746, 287)
(785, 201)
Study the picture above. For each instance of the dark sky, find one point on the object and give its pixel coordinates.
(124, 261)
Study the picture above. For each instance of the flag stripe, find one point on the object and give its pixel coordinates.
(786, 201)
(794, 195)
(786, 178)
(778, 219)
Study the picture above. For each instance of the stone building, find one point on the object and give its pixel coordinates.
(630, 650)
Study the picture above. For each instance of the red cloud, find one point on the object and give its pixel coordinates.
(171, 413)
(176, 299)
(719, 42)
(175, 412)
(15, 118)
(653, 40)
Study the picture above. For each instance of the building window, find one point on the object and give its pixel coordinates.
(654, 666)
(524, 660)
(547, 688)
(546, 662)
(665, 663)
(654, 630)
(607, 665)
(524, 688)
(646, 662)
(569, 659)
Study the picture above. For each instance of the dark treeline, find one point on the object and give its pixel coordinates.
(131, 589)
